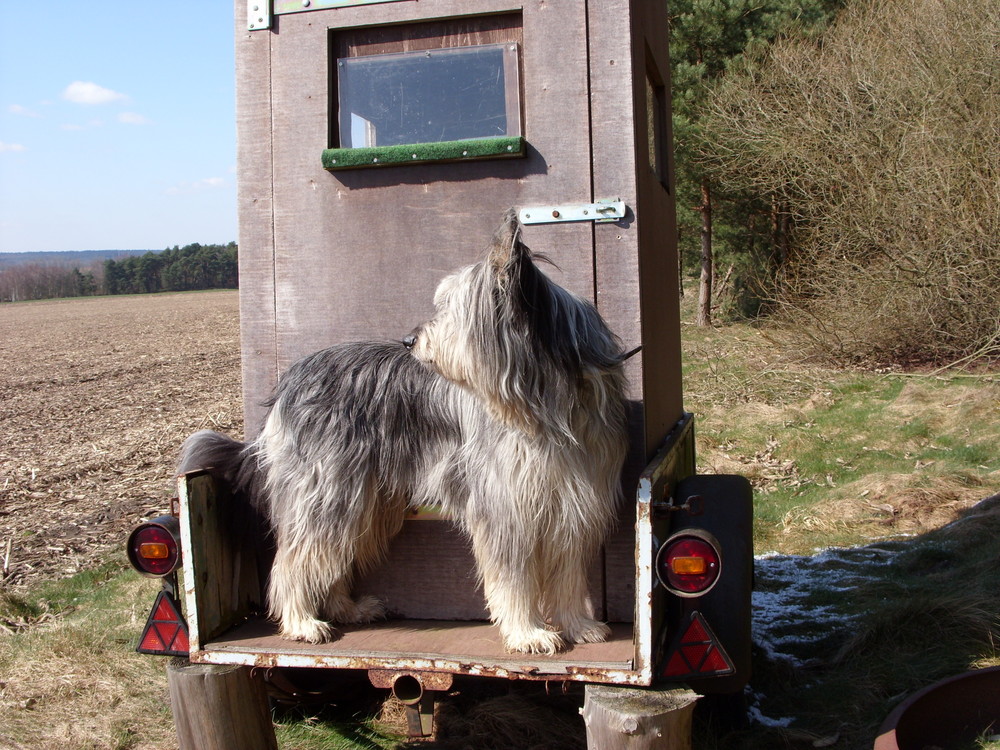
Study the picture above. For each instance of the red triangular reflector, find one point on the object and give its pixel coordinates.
(696, 631)
(151, 643)
(181, 641)
(716, 662)
(162, 611)
(676, 665)
(697, 653)
(166, 631)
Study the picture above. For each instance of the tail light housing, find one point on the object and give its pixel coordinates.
(154, 547)
(688, 564)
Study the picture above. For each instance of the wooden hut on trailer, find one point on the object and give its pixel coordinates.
(379, 144)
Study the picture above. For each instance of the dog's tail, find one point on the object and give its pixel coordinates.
(226, 459)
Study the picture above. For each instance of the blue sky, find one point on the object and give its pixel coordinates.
(117, 124)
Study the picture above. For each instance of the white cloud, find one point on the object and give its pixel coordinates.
(186, 188)
(86, 92)
(17, 109)
(132, 118)
(11, 147)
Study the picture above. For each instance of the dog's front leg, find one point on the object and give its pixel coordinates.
(568, 599)
(511, 585)
(295, 593)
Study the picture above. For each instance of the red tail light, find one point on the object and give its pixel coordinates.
(154, 547)
(689, 563)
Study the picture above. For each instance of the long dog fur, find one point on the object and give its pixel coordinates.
(506, 410)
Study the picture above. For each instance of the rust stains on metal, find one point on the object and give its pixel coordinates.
(386, 678)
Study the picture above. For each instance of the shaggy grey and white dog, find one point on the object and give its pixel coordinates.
(506, 410)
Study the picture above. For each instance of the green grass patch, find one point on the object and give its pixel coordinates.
(69, 675)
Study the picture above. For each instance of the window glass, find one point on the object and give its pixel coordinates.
(430, 96)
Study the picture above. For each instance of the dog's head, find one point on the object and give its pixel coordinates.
(533, 351)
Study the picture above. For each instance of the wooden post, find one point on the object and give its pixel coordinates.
(219, 707)
(620, 718)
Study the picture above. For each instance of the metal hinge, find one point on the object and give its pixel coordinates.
(600, 212)
(258, 14)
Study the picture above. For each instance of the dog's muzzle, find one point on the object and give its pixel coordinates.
(409, 341)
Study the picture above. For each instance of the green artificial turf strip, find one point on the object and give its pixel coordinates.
(418, 153)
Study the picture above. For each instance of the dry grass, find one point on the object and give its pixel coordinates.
(74, 681)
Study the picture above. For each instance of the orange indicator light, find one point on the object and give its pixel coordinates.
(689, 566)
(154, 551)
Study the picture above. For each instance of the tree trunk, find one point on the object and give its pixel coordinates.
(705, 285)
(620, 718)
(219, 708)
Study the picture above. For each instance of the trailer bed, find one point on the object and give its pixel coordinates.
(435, 645)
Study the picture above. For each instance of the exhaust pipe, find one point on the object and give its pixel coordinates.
(408, 689)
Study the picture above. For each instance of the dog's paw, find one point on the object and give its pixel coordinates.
(309, 630)
(534, 641)
(588, 631)
(367, 609)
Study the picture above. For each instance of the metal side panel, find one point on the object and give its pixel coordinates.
(673, 462)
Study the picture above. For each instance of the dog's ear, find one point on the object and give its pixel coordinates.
(506, 249)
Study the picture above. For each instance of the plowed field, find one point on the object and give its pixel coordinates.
(96, 396)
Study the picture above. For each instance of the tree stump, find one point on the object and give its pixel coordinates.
(219, 707)
(620, 718)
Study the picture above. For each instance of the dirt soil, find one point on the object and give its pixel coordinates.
(96, 396)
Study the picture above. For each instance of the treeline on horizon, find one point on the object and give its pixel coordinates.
(177, 269)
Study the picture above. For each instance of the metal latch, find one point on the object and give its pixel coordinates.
(258, 14)
(600, 212)
(694, 505)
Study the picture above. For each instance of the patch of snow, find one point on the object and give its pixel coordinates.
(786, 615)
(788, 621)
(757, 716)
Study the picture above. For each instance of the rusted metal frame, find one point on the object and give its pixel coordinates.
(671, 463)
(190, 592)
(574, 673)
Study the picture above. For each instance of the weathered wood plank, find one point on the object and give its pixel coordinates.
(255, 206)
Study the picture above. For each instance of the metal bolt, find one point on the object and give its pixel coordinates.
(305, 3)
(555, 214)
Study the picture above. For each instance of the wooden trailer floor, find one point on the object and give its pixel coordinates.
(464, 647)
